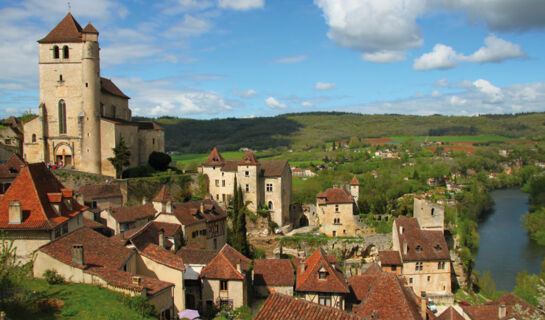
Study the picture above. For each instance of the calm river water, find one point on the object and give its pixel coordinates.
(505, 248)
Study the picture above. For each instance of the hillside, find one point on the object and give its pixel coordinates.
(309, 129)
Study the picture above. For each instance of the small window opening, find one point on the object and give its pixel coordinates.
(55, 52)
(65, 52)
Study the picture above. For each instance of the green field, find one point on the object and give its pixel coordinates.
(201, 157)
(453, 138)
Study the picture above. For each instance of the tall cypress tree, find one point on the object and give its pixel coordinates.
(241, 226)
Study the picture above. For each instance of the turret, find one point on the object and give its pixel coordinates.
(249, 170)
(355, 189)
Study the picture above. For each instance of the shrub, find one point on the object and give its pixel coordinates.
(259, 253)
(141, 305)
(137, 172)
(159, 160)
(52, 277)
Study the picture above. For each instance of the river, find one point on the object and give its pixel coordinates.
(505, 247)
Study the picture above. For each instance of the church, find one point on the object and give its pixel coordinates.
(82, 116)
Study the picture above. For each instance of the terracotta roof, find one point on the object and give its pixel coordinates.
(450, 314)
(224, 265)
(171, 229)
(214, 159)
(196, 256)
(91, 192)
(389, 258)
(163, 196)
(107, 86)
(249, 159)
(12, 167)
(273, 272)
(68, 30)
(149, 233)
(308, 280)
(490, 310)
(335, 195)
(282, 307)
(189, 213)
(129, 214)
(92, 224)
(162, 256)
(422, 245)
(122, 279)
(89, 28)
(273, 168)
(373, 269)
(354, 182)
(31, 188)
(386, 297)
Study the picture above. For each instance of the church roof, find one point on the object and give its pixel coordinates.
(107, 86)
(90, 29)
(68, 30)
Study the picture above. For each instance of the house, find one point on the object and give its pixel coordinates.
(225, 280)
(390, 261)
(85, 256)
(11, 135)
(321, 282)
(450, 313)
(101, 196)
(506, 307)
(82, 116)
(283, 307)
(273, 275)
(153, 232)
(195, 258)
(265, 183)
(337, 211)
(125, 218)
(37, 209)
(9, 170)
(430, 215)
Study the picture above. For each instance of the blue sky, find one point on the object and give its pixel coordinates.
(247, 58)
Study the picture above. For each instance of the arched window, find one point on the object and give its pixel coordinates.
(62, 117)
(55, 52)
(65, 52)
(33, 137)
(270, 205)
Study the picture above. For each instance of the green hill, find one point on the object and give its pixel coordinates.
(303, 130)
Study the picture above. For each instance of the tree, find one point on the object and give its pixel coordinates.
(11, 271)
(159, 160)
(121, 157)
(238, 239)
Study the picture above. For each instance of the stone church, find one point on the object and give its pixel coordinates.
(82, 116)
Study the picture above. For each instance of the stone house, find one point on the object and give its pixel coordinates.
(9, 170)
(225, 280)
(37, 209)
(85, 256)
(321, 281)
(11, 135)
(337, 211)
(273, 275)
(82, 116)
(101, 196)
(195, 259)
(121, 219)
(265, 183)
(390, 261)
(430, 215)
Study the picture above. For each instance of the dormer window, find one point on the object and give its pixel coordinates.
(418, 248)
(437, 247)
(56, 52)
(322, 273)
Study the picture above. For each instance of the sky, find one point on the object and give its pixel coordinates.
(206, 59)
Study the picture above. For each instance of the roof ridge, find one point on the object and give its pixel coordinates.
(35, 190)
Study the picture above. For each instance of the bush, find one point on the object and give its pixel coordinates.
(138, 172)
(259, 253)
(141, 305)
(159, 160)
(52, 277)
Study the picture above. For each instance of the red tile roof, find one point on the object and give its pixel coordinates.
(308, 281)
(450, 314)
(129, 214)
(163, 196)
(273, 168)
(283, 307)
(90, 29)
(354, 182)
(107, 86)
(214, 159)
(273, 272)
(91, 192)
(373, 269)
(249, 159)
(12, 167)
(422, 245)
(31, 188)
(269, 168)
(122, 279)
(149, 233)
(335, 195)
(162, 256)
(189, 213)
(490, 310)
(92, 224)
(68, 30)
(389, 258)
(196, 256)
(224, 265)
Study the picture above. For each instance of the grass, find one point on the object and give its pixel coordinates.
(201, 157)
(453, 138)
(81, 301)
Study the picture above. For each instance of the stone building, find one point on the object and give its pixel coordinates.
(273, 275)
(11, 135)
(265, 183)
(337, 211)
(101, 196)
(9, 170)
(195, 259)
(82, 116)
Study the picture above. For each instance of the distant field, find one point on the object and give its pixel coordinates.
(453, 138)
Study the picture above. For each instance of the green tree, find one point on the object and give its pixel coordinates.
(11, 271)
(237, 237)
(487, 284)
(121, 157)
(159, 160)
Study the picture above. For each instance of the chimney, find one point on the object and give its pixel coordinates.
(423, 304)
(136, 280)
(253, 276)
(162, 238)
(239, 269)
(169, 207)
(144, 200)
(405, 248)
(15, 212)
(302, 268)
(202, 206)
(502, 311)
(77, 254)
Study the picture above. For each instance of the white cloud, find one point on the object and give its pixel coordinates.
(441, 83)
(241, 4)
(293, 59)
(456, 101)
(436, 94)
(189, 26)
(493, 93)
(245, 93)
(307, 104)
(384, 56)
(273, 103)
(325, 86)
(495, 50)
(441, 57)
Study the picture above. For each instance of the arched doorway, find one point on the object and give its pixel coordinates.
(64, 155)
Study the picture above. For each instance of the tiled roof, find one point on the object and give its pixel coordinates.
(196, 256)
(335, 195)
(269, 168)
(92, 224)
(214, 159)
(12, 167)
(283, 307)
(31, 188)
(142, 125)
(224, 265)
(389, 258)
(490, 310)
(163, 195)
(308, 280)
(373, 269)
(249, 159)
(107, 86)
(129, 214)
(235, 257)
(91, 192)
(68, 30)
(162, 256)
(122, 279)
(273, 168)
(89, 28)
(450, 314)
(273, 272)
(385, 296)
(354, 182)
(148, 233)
(422, 245)
(189, 213)
(171, 229)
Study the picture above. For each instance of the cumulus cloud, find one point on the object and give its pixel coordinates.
(245, 93)
(241, 4)
(293, 59)
(273, 103)
(493, 93)
(325, 86)
(189, 26)
(384, 56)
(307, 104)
(436, 94)
(441, 57)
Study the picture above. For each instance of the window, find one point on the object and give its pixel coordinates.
(429, 278)
(270, 205)
(410, 280)
(57, 233)
(269, 187)
(246, 173)
(62, 117)
(60, 78)
(217, 183)
(114, 112)
(337, 221)
(94, 204)
(432, 211)
(223, 197)
(203, 232)
(125, 267)
(441, 265)
(418, 248)
(195, 234)
(215, 244)
(65, 52)
(223, 285)
(334, 233)
(102, 109)
(65, 228)
(336, 208)
(33, 137)
(419, 266)
(394, 268)
(218, 196)
(153, 141)
(322, 275)
(223, 183)
(247, 188)
(324, 300)
(56, 52)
